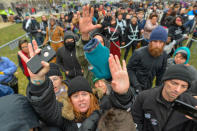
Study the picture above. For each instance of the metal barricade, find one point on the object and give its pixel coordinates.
(14, 43)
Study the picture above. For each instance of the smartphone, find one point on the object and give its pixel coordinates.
(185, 108)
(46, 54)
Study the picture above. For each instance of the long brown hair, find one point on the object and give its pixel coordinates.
(94, 105)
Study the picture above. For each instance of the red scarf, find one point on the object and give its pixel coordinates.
(26, 73)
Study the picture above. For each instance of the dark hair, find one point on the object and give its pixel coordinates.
(182, 55)
(153, 15)
(174, 21)
(21, 42)
(116, 120)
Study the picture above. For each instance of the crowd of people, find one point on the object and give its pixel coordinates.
(87, 86)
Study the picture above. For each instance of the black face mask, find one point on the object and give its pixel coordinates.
(69, 45)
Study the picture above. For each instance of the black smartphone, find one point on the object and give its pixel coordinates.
(185, 108)
(46, 54)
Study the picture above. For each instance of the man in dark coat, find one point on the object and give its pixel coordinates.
(35, 31)
(148, 62)
(152, 110)
(66, 57)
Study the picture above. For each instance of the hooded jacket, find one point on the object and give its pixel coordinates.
(60, 114)
(8, 68)
(66, 59)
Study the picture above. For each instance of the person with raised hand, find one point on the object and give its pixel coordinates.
(80, 103)
(88, 31)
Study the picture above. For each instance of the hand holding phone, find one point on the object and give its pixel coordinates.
(46, 54)
(39, 77)
(185, 108)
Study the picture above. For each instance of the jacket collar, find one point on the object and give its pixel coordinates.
(160, 99)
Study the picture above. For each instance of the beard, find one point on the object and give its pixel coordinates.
(155, 52)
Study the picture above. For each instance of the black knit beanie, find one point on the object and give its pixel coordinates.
(54, 70)
(178, 71)
(78, 83)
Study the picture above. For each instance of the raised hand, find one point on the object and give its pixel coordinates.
(120, 79)
(40, 76)
(85, 22)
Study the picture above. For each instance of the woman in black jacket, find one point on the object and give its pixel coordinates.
(176, 30)
(69, 113)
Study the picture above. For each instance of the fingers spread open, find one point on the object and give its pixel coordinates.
(23, 56)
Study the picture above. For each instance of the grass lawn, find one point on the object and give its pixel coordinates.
(7, 34)
(12, 32)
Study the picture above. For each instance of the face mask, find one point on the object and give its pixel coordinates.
(69, 45)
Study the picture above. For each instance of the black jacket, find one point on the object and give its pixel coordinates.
(117, 35)
(152, 113)
(132, 31)
(67, 61)
(142, 68)
(43, 100)
(33, 29)
(176, 32)
(43, 27)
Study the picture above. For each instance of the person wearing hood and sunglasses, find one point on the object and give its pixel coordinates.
(66, 57)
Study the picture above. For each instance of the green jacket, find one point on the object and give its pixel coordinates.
(3, 12)
(83, 62)
(11, 12)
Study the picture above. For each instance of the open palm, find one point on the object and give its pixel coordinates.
(120, 79)
(85, 22)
